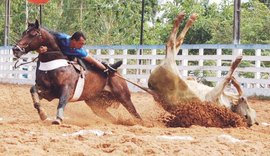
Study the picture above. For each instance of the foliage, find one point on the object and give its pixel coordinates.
(119, 22)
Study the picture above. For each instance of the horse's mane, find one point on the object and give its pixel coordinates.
(53, 33)
(49, 30)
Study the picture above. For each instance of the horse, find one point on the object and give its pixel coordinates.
(56, 78)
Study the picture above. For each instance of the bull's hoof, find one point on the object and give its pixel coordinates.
(42, 115)
(57, 121)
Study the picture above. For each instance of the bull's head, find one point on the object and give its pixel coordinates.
(243, 109)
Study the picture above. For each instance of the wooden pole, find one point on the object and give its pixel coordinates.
(7, 23)
(236, 25)
(40, 15)
(141, 36)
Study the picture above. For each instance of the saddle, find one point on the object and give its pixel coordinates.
(81, 65)
(79, 68)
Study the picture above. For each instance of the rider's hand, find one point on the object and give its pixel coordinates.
(42, 49)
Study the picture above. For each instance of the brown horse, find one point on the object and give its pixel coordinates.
(57, 78)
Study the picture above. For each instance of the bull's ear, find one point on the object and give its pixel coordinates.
(37, 24)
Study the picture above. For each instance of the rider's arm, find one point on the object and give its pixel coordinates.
(95, 62)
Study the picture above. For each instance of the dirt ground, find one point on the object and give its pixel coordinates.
(83, 133)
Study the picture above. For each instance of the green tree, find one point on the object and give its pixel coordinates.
(254, 26)
(2, 21)
(118, 22)
(255, 23)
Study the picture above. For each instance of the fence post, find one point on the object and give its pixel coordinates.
(219, 53)
(258, 65)
(185, 62)
(154, 53)
(1, 60)
(124, 71)
(139, 62)
(98, 52)
(10, 60)
(201, 51)
(111, 53)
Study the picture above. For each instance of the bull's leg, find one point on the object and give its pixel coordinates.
(237, 85)
(217, 90)
(100, 110)
(36, 101)
(182, 35)
(171, 41)
(63, 100)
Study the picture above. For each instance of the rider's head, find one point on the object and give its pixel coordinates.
(77, 40)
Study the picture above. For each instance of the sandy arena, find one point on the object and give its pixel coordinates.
(83, 133)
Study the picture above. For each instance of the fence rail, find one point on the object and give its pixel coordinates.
(207, 61)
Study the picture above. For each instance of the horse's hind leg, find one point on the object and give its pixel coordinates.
(36, 101)
(100, 110)
(120, 91)
(128, 104)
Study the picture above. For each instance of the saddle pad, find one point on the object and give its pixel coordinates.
(51, 65)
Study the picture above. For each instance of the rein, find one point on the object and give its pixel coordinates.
(17, 66)
(17, 61)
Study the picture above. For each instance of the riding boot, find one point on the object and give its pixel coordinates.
(113, 67)
(116, 65)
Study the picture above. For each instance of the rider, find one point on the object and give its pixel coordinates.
(71, 46)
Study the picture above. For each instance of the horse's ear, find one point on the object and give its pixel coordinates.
(37, 24)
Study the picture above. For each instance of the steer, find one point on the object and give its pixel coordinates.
(166, 83)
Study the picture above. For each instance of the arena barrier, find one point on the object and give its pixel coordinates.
(206, 62)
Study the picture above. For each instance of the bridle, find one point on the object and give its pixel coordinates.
(22, 50)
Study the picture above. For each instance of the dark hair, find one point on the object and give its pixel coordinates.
(77, 35)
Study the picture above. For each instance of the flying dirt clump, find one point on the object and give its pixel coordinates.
(203, 114)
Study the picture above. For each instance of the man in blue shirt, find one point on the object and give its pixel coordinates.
(72, 46)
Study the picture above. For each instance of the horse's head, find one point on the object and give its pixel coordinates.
(31, 40)
(242, 108)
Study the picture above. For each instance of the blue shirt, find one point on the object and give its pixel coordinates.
(64, 42)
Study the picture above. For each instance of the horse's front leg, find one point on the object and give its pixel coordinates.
(36, 101)
(63, 100)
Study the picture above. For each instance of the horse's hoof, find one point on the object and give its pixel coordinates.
(57, 122)
(42, 115)
(48, 121)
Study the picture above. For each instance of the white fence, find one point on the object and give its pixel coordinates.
(207, 61)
